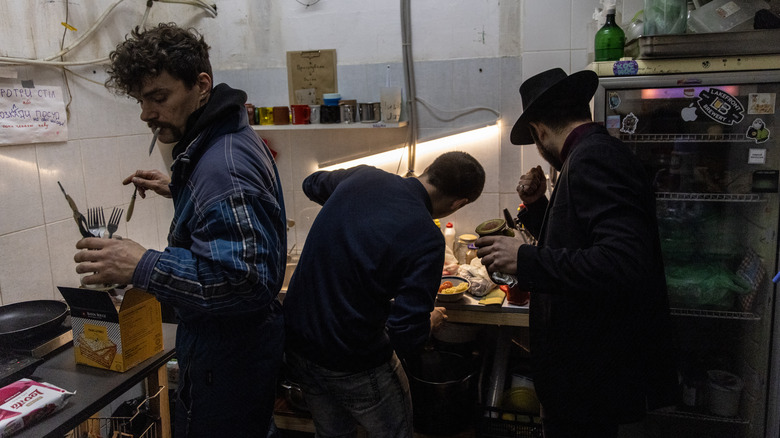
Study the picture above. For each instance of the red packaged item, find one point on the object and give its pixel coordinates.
(516, 296)
(26, 401)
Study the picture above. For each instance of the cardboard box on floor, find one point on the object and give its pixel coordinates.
(111, 338)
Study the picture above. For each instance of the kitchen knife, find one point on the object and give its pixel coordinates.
(81, 221)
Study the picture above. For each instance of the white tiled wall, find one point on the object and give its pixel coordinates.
(108, 141)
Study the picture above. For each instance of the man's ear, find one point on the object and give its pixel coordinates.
(204, 85)
(539, 130)
(458, 203)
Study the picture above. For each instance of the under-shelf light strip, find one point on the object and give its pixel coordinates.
(452, 142)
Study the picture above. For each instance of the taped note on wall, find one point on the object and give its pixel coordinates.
(32, 115)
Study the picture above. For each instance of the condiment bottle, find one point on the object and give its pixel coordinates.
(449, 235)
(610, 39)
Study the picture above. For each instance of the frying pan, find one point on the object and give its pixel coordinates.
(30, 318)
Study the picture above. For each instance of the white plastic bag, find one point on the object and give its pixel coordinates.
(477, 274)
(450, 262)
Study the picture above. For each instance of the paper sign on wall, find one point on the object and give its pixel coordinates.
(310, 74)
(32, 115)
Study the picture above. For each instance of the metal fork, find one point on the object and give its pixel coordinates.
(96, 221)
(113, 221)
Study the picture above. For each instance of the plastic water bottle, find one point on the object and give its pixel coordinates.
(610, 39)
(449, 235)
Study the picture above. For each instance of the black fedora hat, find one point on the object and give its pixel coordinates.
(550, 85)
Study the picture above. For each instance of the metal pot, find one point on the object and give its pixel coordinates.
(28, 319)
(443, 391)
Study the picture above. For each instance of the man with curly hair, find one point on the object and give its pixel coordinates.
(225, 260)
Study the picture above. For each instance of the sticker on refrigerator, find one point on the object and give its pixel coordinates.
(629, 124)
(613, 122)
(761, 103)
(727, 10)
(721, 106)
(758, 131)
(757, 156)
(689, 113)
(614, 100)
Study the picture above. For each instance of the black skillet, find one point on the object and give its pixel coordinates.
(28, 319)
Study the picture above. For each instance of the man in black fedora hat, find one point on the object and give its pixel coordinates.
(601, 338)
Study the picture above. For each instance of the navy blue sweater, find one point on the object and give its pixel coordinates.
(369, 270)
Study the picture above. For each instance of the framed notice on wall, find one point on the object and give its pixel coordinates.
(310, 74)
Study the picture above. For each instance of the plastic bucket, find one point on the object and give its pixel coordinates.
(443, 393)
(723, 393)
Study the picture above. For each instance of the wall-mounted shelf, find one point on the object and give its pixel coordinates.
(358, 125)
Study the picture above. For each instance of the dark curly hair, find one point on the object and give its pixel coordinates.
(147, 53)
(456, 174)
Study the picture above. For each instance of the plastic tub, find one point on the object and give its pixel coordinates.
(725, 15)
(723, 393)
(331, 98)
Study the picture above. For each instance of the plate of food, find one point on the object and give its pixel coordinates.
(452, 288)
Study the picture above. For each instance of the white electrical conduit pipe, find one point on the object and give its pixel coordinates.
(210, 9)
(88, 33)
(49, 61)
(411, 91)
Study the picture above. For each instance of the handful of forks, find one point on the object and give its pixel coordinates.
(96, 221)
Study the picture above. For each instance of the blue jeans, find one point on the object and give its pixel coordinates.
(378, 399)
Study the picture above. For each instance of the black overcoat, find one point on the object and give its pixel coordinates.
(602, 345)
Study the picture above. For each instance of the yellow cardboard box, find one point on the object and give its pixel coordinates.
(105, 336)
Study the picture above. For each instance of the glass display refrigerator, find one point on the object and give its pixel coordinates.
(709, 142)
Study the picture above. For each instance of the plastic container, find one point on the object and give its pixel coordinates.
(723, 393)
(449, 236)
(725, 15)
(331, 98)
(505, 423)
(665, 17)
